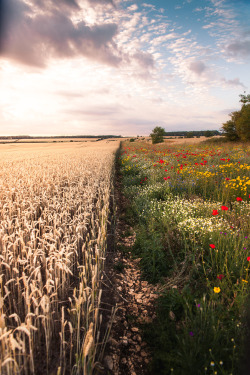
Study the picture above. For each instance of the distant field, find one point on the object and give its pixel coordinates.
(54, 207)
(48, 140)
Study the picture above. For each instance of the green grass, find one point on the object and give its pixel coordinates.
(200, 326)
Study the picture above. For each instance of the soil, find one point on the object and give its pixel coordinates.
(131, 297)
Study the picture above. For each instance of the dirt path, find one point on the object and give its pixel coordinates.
(126, 353)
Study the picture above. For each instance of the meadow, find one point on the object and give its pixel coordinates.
(54, 208)
(189, 207)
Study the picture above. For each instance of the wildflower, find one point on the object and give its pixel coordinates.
(220, 277)
(215, 212)
(212, 246)
(191, 333)
(239, 199)
(227, 179)
(224, 208)
(216, 289)
(248, 259)
(212, 363)
(244, 281)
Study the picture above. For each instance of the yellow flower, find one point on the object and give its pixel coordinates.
(216, 289)
(244, 281)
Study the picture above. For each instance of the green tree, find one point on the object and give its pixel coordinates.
(243, 123)
(229, 127)
(190, 135)
(244, 98)
(157, 135)
(208, 133)
(239, 125)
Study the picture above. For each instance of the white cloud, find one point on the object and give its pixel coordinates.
(115, 66)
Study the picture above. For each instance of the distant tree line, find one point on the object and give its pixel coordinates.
(193, 133)
(159, 133)
(238, 128)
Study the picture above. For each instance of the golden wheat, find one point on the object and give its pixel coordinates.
(54, 207)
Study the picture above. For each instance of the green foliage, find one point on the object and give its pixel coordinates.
(208, 133)
(157, 135)
(196, 133)
(190, 135)
(245, 98)
(186, 336)
(199, 326)
(243, 123)
(154, 261)
(238, 128)
(229, 129)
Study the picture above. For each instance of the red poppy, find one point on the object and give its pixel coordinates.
(248, 259)
(220, 277)
(212, 246)
(224, 208)
(227, 178)
(239, 199)
(215, 212)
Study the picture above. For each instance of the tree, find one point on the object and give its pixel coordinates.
(157, 135)
(239, 125)
(208, 133)
(244, 98)
(243, 123)
(190, 135)
(229, 129)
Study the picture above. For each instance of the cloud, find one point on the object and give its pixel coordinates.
(49, 4)
(198, 67)
(145, 59)
(233, 82)
(101, 2)
(33, 35)
(238, 48)
(96, 111)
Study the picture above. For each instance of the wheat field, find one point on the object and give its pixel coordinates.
(54, 207)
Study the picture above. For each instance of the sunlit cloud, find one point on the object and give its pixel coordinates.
(112, 66)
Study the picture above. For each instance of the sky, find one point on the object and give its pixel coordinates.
(96, 67)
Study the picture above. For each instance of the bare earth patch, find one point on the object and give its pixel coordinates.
(126, 353)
